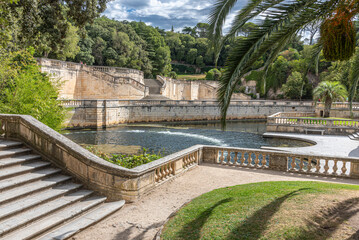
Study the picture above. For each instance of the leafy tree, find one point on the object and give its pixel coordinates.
(328, 92)
(25, 90)
(213, 74)
(276, 31)
(45, 24)
(191, 56)
(294, 87)
(248, 28)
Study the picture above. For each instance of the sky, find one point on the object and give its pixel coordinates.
(165, 13)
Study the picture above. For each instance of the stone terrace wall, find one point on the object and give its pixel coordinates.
(93, 82)
(101, 113)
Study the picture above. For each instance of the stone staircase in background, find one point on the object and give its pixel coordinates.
(154, 90)
(38, 201)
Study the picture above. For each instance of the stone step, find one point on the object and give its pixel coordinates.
(8, 162)
(26, 178)
(7, 144)
(20, 205)
(14, 152)
(32, 187)
(21, 169)
(27, 217)
(36, 228)
(77, 225)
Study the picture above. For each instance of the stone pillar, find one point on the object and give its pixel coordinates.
(278, 162)
(354, 170)
(209, 155)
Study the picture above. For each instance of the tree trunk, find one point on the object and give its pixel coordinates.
(327, 107)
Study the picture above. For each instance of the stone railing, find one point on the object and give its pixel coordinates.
(282, 161)
(164, 83)
(301, 122)
(120, 80)
(197, 102)
(121, 183)
(340, 105)
(78, 66)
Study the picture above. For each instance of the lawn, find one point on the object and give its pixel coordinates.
(270, 210)
(192, 77)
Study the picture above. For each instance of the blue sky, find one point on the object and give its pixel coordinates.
(164, 13)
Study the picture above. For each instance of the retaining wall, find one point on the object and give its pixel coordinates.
(105, 113)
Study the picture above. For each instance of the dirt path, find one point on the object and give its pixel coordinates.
(142, 219)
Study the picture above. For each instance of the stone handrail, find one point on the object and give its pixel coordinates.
(121, 183)
(72, 65)
(301, 120)
(190, 102)
(340, 105)
(283, 161)
(122, 80)
(164, 83)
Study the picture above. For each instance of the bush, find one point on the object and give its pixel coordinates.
(213, 74)
(127, 161)
(294, 87)
(25, 90)
(172, 75)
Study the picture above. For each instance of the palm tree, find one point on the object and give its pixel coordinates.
(330, 92)
(283, 20)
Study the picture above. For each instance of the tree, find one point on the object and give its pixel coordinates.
(213, 74)
(285, 19)
(328, 92)
(248, 28)
(294, 87)
(45, 24)
(25, 90)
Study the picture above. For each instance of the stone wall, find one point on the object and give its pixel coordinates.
(101, 113)
(90, 82)
(193, 90)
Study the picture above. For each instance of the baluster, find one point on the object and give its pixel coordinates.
(292, 164)
(222, 157)
(326, 166)
(217, 156)
(249, 159)
(229, 158)
(301, 165)
(318, 166)
(309, 167)
(235, 158)
(242, 159)
(160, 175)
(156, 175)
(344, 168)
(335, 167)
(256, 161)
(163, 170)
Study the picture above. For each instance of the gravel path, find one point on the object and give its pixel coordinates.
(142, 219)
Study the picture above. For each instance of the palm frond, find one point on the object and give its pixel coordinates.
(284, 20)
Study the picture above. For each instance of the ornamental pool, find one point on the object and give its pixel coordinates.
(170, 137)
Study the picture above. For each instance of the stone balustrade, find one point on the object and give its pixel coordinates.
(198, 102)
(302, 122)
(121, 183)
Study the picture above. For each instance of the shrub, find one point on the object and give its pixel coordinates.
(213, 74)
(172, 75)
(294, 88)
(25, 90)
(127, 161)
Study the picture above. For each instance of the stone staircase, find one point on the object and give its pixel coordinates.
(38, 201)
(154, 86)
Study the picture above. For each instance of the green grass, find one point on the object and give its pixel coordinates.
(192, 77)
(268, 210)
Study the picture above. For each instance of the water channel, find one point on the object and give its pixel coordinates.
(172, 137)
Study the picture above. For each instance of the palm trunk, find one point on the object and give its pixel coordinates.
(327, 107)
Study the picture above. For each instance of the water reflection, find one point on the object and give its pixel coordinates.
(173, 137)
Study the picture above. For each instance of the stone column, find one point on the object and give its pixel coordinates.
(209, 155)
(278, 162)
